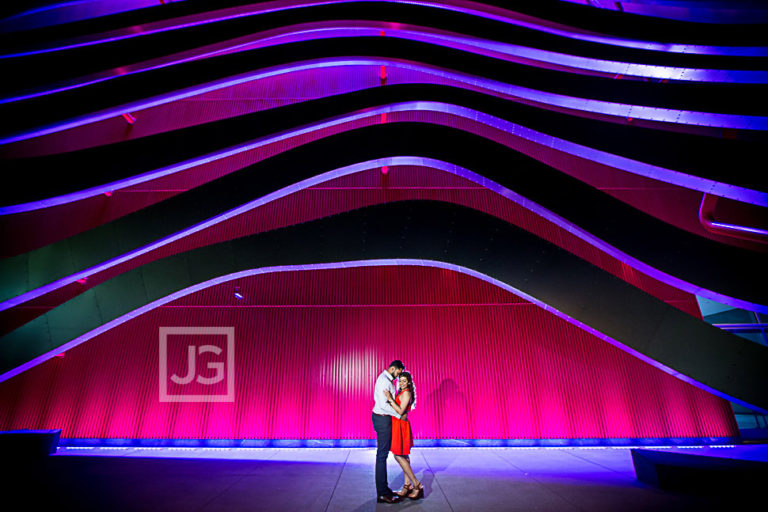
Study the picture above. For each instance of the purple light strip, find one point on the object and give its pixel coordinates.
(736, 227)
(710, 187)
(373, 164)
(477, 9)
(461, 6)
(493, 87)
(712, 11)
(337, 29)
(106, 447)
(735, 230)
(357, 264)
(620, 111)
(66, 12)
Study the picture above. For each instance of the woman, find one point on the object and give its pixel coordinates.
(402, 439)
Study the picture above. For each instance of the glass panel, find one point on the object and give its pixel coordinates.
(752, 336)
(732, 316)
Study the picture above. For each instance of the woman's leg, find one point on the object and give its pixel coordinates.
(407, 478)
(405, 463)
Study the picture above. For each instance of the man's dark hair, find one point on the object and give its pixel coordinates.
(398, 364)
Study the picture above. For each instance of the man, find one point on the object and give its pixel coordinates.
(382, 424)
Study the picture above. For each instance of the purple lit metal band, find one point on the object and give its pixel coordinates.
(611, 160)
(712, 11)
(352, 264)
(423, 73)
(462, 6)
(74, 10)
(706, 219)
(745, 229)
(489, 48)
(372, 164)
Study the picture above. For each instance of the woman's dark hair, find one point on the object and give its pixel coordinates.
(411, 387)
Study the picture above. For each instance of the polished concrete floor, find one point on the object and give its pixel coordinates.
(336, 479)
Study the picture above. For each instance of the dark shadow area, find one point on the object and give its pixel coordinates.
(171, 484)
(699, 474)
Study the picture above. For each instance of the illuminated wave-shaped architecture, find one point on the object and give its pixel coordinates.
(222, 220)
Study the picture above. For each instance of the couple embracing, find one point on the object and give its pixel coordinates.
(393, 396)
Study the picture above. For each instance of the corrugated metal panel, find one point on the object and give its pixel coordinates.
(310, 344)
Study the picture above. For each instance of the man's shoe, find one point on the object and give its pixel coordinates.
(389, 498)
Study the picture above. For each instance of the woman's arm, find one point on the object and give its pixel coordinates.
(405, 398)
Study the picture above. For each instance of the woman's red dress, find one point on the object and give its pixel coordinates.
(402, 438)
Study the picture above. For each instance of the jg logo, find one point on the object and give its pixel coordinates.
(200, 362)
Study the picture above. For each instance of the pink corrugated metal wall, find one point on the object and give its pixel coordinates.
(308, 346)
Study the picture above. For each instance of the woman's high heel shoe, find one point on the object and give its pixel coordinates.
(419, 492)
(405, 490)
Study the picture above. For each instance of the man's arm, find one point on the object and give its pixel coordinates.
(391, 410)
(381, 398)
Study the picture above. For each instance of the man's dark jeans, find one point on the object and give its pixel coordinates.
(383, 427)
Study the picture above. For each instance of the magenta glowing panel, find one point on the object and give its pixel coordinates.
(308, 342)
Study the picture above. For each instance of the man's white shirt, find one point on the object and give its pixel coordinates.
(381, 405)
